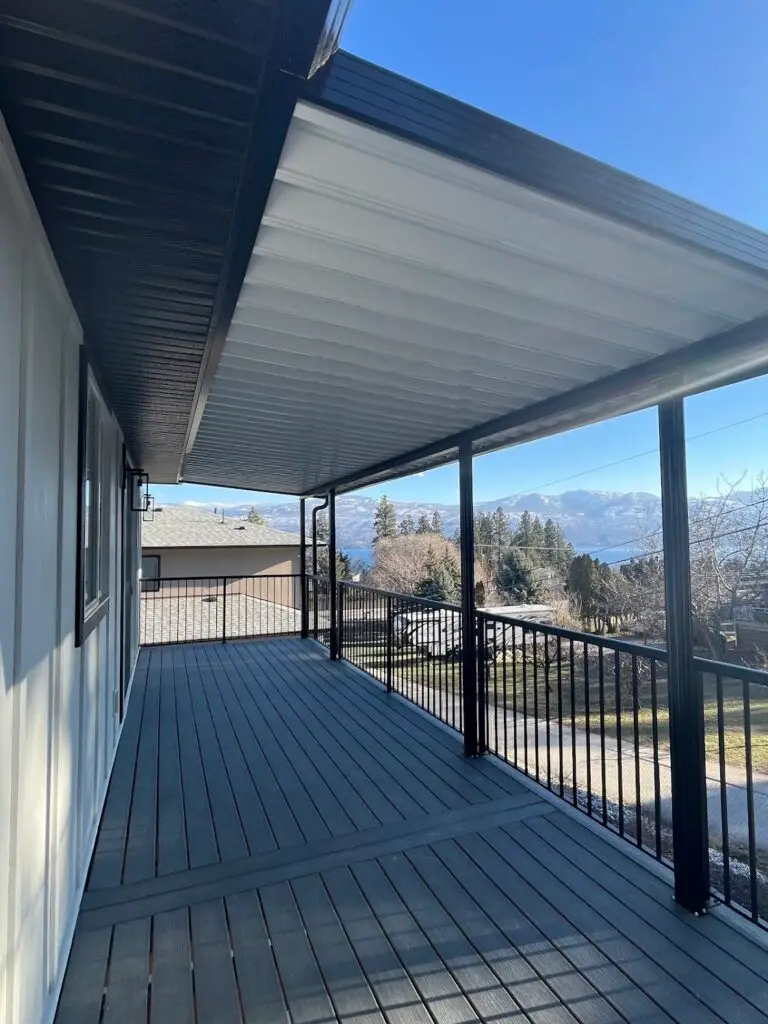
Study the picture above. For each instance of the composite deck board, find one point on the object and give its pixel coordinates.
(201, 835)
(371, 771)
(171, 836)
(261, 991)
(440, 784)
(140, 848)
(126, 992)
(249, 699)
(323, 753)
(286, 843)
(250, 807)
(226, 816)
(319, 791)
(216, 990)
(172, 992)
(107, 863)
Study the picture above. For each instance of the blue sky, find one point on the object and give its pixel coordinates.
(673, 92)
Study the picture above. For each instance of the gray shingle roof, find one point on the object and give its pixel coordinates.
(179, 526)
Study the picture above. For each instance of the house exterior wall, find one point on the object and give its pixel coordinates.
(58, 713)
(221, 561)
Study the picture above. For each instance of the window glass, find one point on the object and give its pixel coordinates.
(92, 499)
(96, 503)
(150, 573)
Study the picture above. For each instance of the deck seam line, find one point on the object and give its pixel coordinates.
(227, 883)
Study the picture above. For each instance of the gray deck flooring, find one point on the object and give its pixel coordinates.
(284, 842)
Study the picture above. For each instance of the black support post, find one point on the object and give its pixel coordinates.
(468, 645)
(686, 709)
(333, 596)
(303, 569)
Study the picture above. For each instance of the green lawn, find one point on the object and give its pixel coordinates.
(413, 675)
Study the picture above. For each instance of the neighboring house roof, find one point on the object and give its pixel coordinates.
(179, 526)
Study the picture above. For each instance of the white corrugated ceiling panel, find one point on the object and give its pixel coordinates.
(396, 296)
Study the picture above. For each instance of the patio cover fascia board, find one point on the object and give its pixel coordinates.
(381, 100)
(708, 363)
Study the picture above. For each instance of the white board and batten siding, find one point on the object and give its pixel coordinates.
(58, 713)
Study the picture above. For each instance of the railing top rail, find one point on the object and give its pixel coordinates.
(425, 601)
(731, 670)
(611, 643)
(222, 576)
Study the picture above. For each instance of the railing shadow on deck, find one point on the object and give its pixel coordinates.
(583, 715)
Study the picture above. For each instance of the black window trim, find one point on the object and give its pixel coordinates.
(84, 624)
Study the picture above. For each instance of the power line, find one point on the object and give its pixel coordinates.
(701, 540)
(651, 451)
(704, 519)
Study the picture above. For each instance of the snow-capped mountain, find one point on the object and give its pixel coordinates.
(590, 519)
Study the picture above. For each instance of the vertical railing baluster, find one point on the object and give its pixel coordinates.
(390, 643)
(574, 760)
(504, 686)
(535, 654)
(723, 790)
(753, 894)
(601, 690)
(588, 729)
(547, 708)
(559, 650)
(636, 739)
(619, 756)
(525, 703)
(656, 767)
(514, 689)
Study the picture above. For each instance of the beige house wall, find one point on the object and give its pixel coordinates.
(238, 563)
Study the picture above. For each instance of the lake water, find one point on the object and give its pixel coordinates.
(360, 554)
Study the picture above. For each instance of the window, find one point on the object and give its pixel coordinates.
(94, 511)
(150, 573)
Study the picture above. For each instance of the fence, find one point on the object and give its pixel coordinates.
(410, 644)
(736, 738)
(186, 609)
(580, 714)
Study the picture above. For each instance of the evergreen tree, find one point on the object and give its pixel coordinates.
(254, 516)
(558, 551)
(516, 577)
(537, 551)
(523, 536)
(384, 520)
(406, 526)
(502, 532)
(485, 540)
(441, 580)
(423, 525)
(584, 584)
(437, 523)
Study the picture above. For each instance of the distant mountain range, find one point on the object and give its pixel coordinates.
(606, 520)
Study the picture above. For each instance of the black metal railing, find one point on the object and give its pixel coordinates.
(186, 609)
(411, 644)
(319, 608)
(586, 716)
(736, 740)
